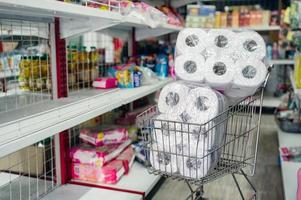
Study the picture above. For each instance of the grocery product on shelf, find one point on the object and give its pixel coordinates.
(128, 75)
(105, 83)
(98, 137)
(34, 73)
(206, 16)
(83, 65)
(98, 156)
(109, 173)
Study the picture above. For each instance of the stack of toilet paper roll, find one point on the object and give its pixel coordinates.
(231, 62)
(186, 132)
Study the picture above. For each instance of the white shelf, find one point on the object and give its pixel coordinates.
(31, 124)
(288, 139)
(289, 178)
(296, 90)
(78, 19)
(129, 182)
(269, 101)
(257, 28)
(76, 192)
(289, 169)
(283, 62)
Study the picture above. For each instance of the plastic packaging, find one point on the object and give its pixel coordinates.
(98, 156)
(98, 137)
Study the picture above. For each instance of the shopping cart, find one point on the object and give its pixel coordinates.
(211, 157)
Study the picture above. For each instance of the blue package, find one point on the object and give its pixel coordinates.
(162, 66)
(137, 77)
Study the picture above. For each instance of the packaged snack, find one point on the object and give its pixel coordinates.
(98, 137)
(105, 83)
(98, 156)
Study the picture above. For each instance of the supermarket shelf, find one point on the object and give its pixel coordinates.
(76, 192)
(129, 182)
(289, 169)
(296, 90)
(270, 101)
(9, 74)
(283, 62)
(258, 28)
(23, 127)
(288, 139)
(77, 19)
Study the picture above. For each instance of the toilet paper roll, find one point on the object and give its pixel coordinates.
(198, 141)
(164, 162)
(191, 40)
(250, 44)
(194, 167)
(221, 40)
(172, 98)
(219, 72)
(249, 77)
(190, 67)
(203, 105)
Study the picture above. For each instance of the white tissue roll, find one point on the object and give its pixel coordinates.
(191, 40)
(221, 40)
(194, 167)
(164, 134)
(219, 72)
(202, 105)
(172, 98)
(163, 161)
(190, 67)
(250, 44)
(249, 77)
(197, 140)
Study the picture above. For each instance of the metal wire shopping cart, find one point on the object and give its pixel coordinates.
(207, 155)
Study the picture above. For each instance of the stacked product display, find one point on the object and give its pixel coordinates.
(35, 73)
(217, 68)
(82, 65)
(234, 16)
(104, 157)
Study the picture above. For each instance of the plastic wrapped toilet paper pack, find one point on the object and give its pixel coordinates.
(221, 40)
(248, 78)
(219, 72)
(202, 105)
(163, 161)
(173, 98)
(194, 167)
(249, 44)
(190, 67)
(191, 40)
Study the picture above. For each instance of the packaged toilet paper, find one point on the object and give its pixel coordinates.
(172, 98)
(191, 40)
(249, 44)
(165, 162)
(219, 72)
(190, 67)
(202, 105)
(221, 41)
(194, 167)
(249, 76)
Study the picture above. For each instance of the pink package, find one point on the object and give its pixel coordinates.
(98, 156)
(110, 173)
(105, 83)
(99, 138)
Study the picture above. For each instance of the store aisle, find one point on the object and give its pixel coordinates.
(267, 178)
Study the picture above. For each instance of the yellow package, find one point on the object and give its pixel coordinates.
(297, 72)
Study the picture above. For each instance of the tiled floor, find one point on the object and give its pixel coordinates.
(267, 179)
